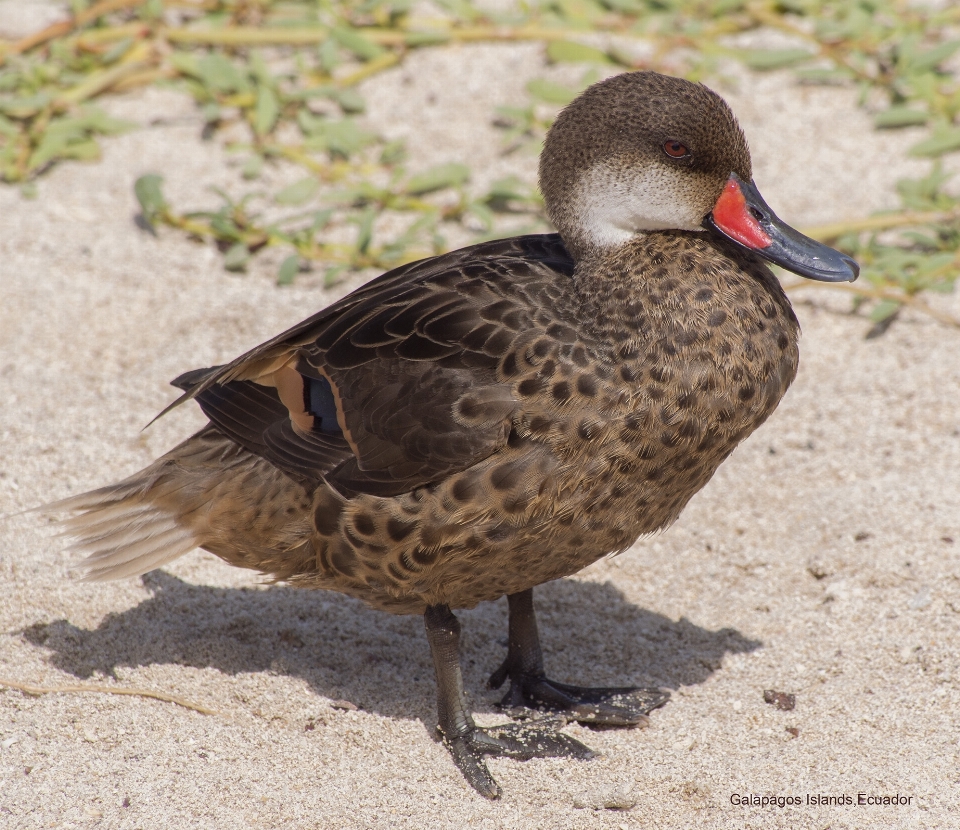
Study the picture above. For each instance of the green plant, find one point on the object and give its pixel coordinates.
(226, 53)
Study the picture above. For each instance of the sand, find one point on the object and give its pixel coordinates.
(821, 560)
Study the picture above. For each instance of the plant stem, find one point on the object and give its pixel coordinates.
(99, 82)
(109, 690)
(883, 294)
(64, 27)
(370, 68)
(881, 222)
(314, 35)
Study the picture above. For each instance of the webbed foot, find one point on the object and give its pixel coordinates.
(530, 688)
(522, 741)
(467, 742)
(601, 706)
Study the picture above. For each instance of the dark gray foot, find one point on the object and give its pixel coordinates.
(601, 706)
(467, 742)
(531, 689)
(521, 741)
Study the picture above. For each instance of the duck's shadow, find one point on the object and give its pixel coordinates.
(591, 634)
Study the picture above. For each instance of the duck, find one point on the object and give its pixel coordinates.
(475, 424)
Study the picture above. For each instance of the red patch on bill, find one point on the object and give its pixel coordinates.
(732, 216)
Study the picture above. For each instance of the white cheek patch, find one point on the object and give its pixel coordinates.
(612, 206)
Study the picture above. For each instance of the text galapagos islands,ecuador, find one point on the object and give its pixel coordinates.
(821, 800)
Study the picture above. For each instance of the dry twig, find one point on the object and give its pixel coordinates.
(109, 690)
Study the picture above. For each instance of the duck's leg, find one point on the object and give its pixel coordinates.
(467, 742)
(530, 687)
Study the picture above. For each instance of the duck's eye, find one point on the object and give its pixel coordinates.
(676, 150)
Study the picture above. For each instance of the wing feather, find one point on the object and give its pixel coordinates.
(412, 361)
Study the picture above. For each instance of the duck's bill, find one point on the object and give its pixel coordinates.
(741, 215)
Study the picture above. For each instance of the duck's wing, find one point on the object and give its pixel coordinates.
(401, 382)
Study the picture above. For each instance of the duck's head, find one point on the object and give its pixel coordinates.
(644, 152)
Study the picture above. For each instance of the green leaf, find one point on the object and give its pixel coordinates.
(622, 56)
(321, 219)
(117, 51)
(767, 59)
(64, 138)
(219, 74)
(922, 240)
(259, 69)
(65, 129)
(900, 117)
(8, 128)
(357, 195)
(626, 6)
(350, 100)
(582, 13)
(361, 46)
(224, 226)
(87, 150)
(924, 193)
(883, 310)
(252, 167)
(288, 269)
(341, 137)
(365, 229)
(945, 138)
(822, 75)
(725, 7)
(516, 119)
(483, 213)
(932, 58)
(9, 80)
(98, 121)
(511, 189)
(152, 10)
(47, 150)
(394, 152)
(236, 257)
(185, 63)
(345, 137)
(438, 178)
(309, 123)
(322, 91)
(333, 274)
(211, 112)
(508, 188)
(550, 92)
(149, 193)
(298, 192)
(570, 51)
(395, 250)
(328, 53)
(425, 38)
(267, 110)
(25, 107)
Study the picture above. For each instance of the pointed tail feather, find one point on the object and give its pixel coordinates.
(145, 521)
(121, 529)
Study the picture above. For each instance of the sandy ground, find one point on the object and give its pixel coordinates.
(820, 561)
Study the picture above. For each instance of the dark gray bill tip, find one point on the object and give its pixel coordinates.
(802, 255)
(742, 216)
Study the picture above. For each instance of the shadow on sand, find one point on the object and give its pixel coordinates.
(591, 635)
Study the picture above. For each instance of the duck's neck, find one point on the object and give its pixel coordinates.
(668, 285)
(627, 289)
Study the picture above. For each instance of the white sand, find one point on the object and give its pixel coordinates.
(821, 560)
